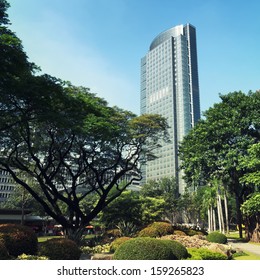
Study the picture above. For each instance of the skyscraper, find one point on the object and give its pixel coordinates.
(170, 87)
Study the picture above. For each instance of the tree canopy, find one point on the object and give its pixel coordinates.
(219, 144)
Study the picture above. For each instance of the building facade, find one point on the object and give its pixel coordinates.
(7, 185)
(170, 87)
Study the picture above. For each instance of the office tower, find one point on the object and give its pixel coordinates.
(170, 87)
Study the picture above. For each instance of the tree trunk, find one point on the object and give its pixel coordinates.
(253, 229)
(239, 217)
(219, 215)
(226, 212)
(209, 220)
(214, 219)
(74, 234)
(23, 206)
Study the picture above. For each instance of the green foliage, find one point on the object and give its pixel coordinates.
(220, 144)
(117, 242)
(156, 229)
(143, 248)
(205, 254)
(132, 208)
(217, 237)
(152, 209)
(124, 209)
(165, 189)
(19, 239)
(60, 249)
(127, 228)
(221, 139)
(252, 205)
(251, 163)
(98, 249)
(178, 250)
(4, 5)
(251, 210)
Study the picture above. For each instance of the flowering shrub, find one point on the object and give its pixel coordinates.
(31, 257)
(19, 239)
(105, 248)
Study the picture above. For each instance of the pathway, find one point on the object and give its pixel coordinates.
(244, 246)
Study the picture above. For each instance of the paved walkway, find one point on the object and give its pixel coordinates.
(244, 246)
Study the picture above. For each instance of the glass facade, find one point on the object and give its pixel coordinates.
(170, 87)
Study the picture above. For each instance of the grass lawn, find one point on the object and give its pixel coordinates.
(235, 235)
(247, 256)
(45, 238)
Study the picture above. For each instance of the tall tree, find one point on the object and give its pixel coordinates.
(251, 210)
(67, 140)
(214, 148)
(167, 189)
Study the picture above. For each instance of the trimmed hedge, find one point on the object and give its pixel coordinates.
(148, 232)
(156, 229)
(144, 248)
(19, 239)
(60, 249)
(178, 250)
(117, 242)
(217, 237)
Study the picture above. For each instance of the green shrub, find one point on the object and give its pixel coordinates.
(19, 239)
(205, 254)
(156, 229)
(163, 228)
(3, 251)
(60, 249)
(217, 237)
(148, 232)
(143, 248)
(117, 242)
(177, 249)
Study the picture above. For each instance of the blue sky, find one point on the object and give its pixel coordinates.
(99, 43)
